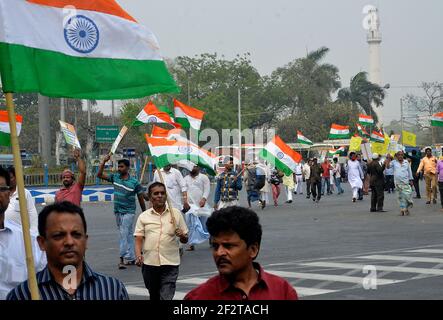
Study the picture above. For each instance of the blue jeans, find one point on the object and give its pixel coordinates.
(125, 225)
(328, 185)
(338, 185)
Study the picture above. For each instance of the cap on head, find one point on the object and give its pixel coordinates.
(375, 156)
(67, 171)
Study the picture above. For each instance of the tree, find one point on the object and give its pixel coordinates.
(363, 94)
(424, 107)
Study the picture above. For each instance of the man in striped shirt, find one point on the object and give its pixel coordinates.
(63, 236)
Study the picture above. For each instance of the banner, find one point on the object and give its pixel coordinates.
(366, 151)
(355, 144)
(70, 134)
(119, 139)
(409, 139)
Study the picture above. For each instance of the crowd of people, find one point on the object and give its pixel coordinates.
(175, 211)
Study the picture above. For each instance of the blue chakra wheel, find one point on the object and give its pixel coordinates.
(81, 34)
(280, 155)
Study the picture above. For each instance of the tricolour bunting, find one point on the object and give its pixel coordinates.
(167, 152)
(302, 139)
(437, 119)
(339, 132)
(79, 49)
(365, 120)
(5, 129)
(151, 114)
(280, 155)
(187, 116)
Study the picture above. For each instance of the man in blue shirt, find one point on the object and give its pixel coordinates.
(229, 183)
(125, 190)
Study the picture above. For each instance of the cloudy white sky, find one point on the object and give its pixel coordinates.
(278, 31)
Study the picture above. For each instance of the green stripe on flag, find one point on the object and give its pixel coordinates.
(264, 154)
(339, 136)
(184, 122)
(436, 123)
(170, 158)
(5, 139)
(54, 74)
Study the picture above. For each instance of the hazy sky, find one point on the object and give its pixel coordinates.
(278, 31)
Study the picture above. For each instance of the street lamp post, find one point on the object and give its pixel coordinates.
(239, 127)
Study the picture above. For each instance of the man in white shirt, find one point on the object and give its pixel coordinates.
(13, 211)
(298, 178)
(175, 187)
(198, 187)
(306, 171)
(12, 251)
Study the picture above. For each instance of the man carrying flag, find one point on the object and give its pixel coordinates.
(72, 190)
(229, 183)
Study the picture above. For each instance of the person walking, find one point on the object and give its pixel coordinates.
(376, 183)
(288, 182)
(403, 182)
(315, 179)
(307, 177)
(429, 167)
(389, 176)
(326, 177)
(276, 180)
(336, 173)
(355, 175)
(440, 179)
(264, 191)
(415, 163)
(126, 188)
(229, 183)
(157, 232)
(298, 173)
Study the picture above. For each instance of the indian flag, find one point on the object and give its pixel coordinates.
(339, 132)
(334, 152)
(79, 49)
(437, 120)
(5, 129)
(187, 116)
(377, 137)
(365, 120)
(302, 139)
(170, 134)
(151, 114)
(167, 152)
(281, 155)
(361, 130)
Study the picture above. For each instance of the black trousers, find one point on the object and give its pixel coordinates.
(377, 197)
(308, 187)
(160, 281)
(417, 186)
(316, 189)
(440, 188)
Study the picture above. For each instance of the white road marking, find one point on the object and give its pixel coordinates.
(439, 251)
(402, 258)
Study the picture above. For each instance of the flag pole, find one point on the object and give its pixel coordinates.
(144, 169)
(32, 280)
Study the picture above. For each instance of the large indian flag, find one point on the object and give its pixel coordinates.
(167, 152)
(339, 132)
(280, 155)
(377, 137)
(302, 139)
(151, 114)
(5, 129)
(437, 120)
(365, 120)
(78, 49)
(187, 116)
(170, 134)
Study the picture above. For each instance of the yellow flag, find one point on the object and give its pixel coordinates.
(381, 148)
(409, 139)
(355, 143)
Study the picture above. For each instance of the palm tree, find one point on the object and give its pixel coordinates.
(363, 94)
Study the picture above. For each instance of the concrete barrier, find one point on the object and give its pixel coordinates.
(90, 194)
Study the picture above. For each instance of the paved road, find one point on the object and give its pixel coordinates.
(322, 249)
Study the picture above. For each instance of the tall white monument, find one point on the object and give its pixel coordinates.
(371, 23)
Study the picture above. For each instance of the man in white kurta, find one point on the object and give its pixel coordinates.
(266, 188)
(298, 178)
(198, 187)
(355, 175)
(175, 187)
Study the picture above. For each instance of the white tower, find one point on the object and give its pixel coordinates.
(372, 24)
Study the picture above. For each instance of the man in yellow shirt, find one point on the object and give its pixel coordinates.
(157, 233)
(429, 166)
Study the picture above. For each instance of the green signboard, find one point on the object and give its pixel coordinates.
(106, 134)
